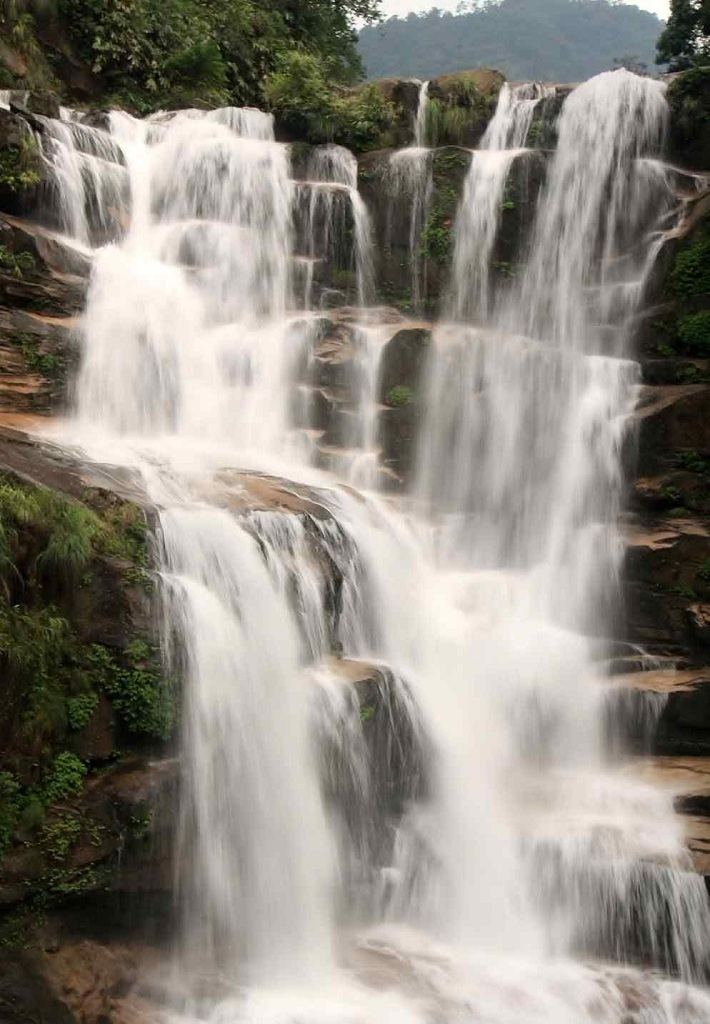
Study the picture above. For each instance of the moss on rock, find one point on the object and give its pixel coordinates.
(461, 105)
(20, 164)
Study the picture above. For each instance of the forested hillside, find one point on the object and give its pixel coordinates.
(150, 53)
(555, 40)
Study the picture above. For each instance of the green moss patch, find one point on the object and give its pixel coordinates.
(399, 396)
(448, 172)
(20, 166)
(690, 274)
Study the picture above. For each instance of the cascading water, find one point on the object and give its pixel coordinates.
(543, 396)
(409, 177)
(309, 889)
(332, 176)
(479, 214)
(90, 179)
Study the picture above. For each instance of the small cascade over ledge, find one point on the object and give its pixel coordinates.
(398, 798)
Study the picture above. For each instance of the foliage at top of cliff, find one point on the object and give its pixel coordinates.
(148, 53)
(549, 40)
(686, 38)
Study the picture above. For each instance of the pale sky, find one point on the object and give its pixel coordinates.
(392, 7)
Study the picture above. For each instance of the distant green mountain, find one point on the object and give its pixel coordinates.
(547, 40)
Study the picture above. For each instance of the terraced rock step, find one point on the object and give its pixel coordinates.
(688, 780)
(666, 708)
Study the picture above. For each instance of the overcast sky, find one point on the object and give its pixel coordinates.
(390, 7)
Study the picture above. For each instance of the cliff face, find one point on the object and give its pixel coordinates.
(88, 720)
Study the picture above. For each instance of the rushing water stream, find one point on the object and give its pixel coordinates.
(519, 871)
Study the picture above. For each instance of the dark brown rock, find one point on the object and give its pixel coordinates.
(25, 995)
(671, 418)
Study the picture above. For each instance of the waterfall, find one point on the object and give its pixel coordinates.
(90, 179)
(481, 204)
(421, 115)
(257, 892)
(409, 177)
(521, 466)
(331, 174)
(396, 799)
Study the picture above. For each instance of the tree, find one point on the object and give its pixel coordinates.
(548, 40)
(685, 37)
(154, 52)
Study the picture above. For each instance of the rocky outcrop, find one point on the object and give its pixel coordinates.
(461, 105)
(42, 288)
(21, 167)
(390, 206)
(669, 551)
(665, 699)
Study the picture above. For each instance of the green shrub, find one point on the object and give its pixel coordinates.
(363, 118)
(80, 710)
(65, 529)
(17, 263)
(299, 95)
(51, 365)
(437, 241)
(65, 778)
(59, 836)
(144, 701)
(72, 531)
(10, 802)
(19, 166)
(690, 274)
(123, 533)
(694, 330)
(198, 65)
(367, 712)
(307, 104)
(32, 646)
(399, 396)
(457, 104)
(692, 461)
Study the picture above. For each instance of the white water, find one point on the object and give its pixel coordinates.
(332, 175)
(421, 116)
(409, 177)
(515, 846)
(481, 204)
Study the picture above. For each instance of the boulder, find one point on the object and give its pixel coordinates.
(667, 562)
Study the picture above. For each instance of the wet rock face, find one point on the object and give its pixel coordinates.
(390, 200)
(403, 94)
(43, 283)
(328, 383)
(401, 394)
(668, 561)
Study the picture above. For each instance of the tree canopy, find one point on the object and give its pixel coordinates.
(152, 51)
(553, 40)
(686, 37)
